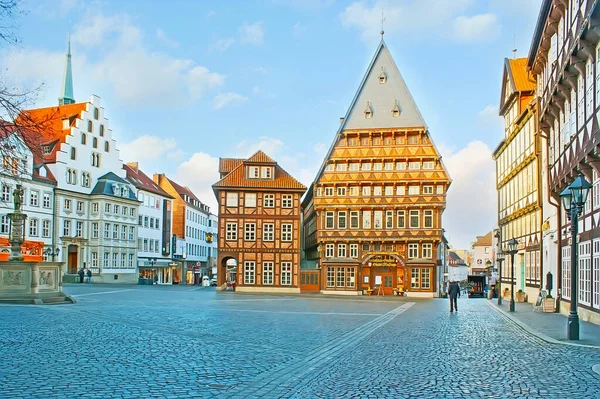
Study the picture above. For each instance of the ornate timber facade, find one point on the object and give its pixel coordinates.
(373, 216)
(259, 225)
(518, 171)
(565, 59)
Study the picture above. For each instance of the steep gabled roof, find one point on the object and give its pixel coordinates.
(141, 181)
(45, 125)
(181, 190)
(260, 157)
(516, 76)
(483, 241)
(226, 165)
(237, 178)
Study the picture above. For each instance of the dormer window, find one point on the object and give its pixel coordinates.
(124, 191)
(253, 172)
(382, 76)
(368, 111)
(115, 188)
(396, 109)
(47, 149)
(266, 172)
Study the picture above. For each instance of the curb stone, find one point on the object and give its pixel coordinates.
(538, 334)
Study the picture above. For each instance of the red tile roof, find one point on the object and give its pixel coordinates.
(45, 125)
(226, 165)
(484, 241)
(140, 180)
(281, 180)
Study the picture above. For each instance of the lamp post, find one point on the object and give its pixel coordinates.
(499, 260)
(574, 197)
(512, 250)
(49, 252)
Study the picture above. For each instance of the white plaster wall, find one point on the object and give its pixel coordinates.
(146, 232)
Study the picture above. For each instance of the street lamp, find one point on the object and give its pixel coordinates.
(49, 252)
(512, 250)
(574, 197)
(499, 260)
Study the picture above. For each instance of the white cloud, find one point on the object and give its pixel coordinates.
(478, 28)
(412, 17)
(111, 52)
(222, 44)
(167, 41)
(147, 150)
(224, 99)
(471, 207)
(252, 34)
(488, 117)
(199, 173)
(297, 30)
(269, 145)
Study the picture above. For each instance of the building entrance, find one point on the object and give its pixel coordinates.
(73, 259)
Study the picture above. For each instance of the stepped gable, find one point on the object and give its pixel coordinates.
(237, 177)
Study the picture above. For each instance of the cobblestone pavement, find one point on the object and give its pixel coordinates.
(181, 342)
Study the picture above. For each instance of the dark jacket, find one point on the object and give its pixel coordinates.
(454, 289)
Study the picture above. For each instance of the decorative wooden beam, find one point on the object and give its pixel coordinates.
(578, 63)
(594, 161)
(586, 170)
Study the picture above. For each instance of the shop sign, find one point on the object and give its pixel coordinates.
(383, 260)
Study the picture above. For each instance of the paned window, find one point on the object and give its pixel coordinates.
(389, 219)
(354, 222)
(378, 219)
(428, 219)
(46, 228)
(425, 278)
(268, 231)
(400, 190)
(46, 200)
(329, 250)
(250, 231)
(350, 277)
(341, 191)
(341, 219)
(401, 222)
(267, 273)
(354, 250)
(269, 201)
(342, 250)
(33, 227)
(330, 277)
(340, 277)
(413, 251)
(366, 219)
(231, 231)
(249, 272)
(366, 191)
(413, 190)
(286, 273)
(4, 224)
(66, 228)
(106, 230)
(79, 229)
(329, 220)
(414, 219)
(329, 191)
(427, 250)
(34, 197)
(286, 201)
(286, 232)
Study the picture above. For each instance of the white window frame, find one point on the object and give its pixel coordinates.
(232, 200)
(286, 273)
(286, 232)
(268, 232)
(268, 273)
(250, 200)
(269, 201)
(287, 201)
(249, 273)
(249, 231)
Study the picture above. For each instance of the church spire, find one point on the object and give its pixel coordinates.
(67, 87)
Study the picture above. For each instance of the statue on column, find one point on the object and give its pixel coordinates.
(18, 197)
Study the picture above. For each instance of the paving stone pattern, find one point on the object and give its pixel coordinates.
(183, 342)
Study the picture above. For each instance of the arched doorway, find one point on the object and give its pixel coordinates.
(72, 258)
(383, 273)
(228, 272)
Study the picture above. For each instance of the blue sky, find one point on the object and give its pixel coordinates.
(185, 82)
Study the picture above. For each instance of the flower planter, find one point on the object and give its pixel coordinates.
(521, 297)
(548, 305)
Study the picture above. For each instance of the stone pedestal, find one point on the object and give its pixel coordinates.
(32, 283)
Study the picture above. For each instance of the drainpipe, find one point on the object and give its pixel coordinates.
(555, 204)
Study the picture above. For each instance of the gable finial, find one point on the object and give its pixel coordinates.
(382, 21)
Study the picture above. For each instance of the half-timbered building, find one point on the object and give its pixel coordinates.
(565, 59)
(518, 159)
(373, 215)
(259, 225)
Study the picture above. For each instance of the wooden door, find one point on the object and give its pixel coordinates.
(72, 261)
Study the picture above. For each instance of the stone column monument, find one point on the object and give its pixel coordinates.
(28, 282)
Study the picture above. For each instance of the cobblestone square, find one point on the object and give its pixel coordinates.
(181, 341)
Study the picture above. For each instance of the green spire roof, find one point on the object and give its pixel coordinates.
(67, 87)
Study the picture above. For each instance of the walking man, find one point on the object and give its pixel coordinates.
(453, 294)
